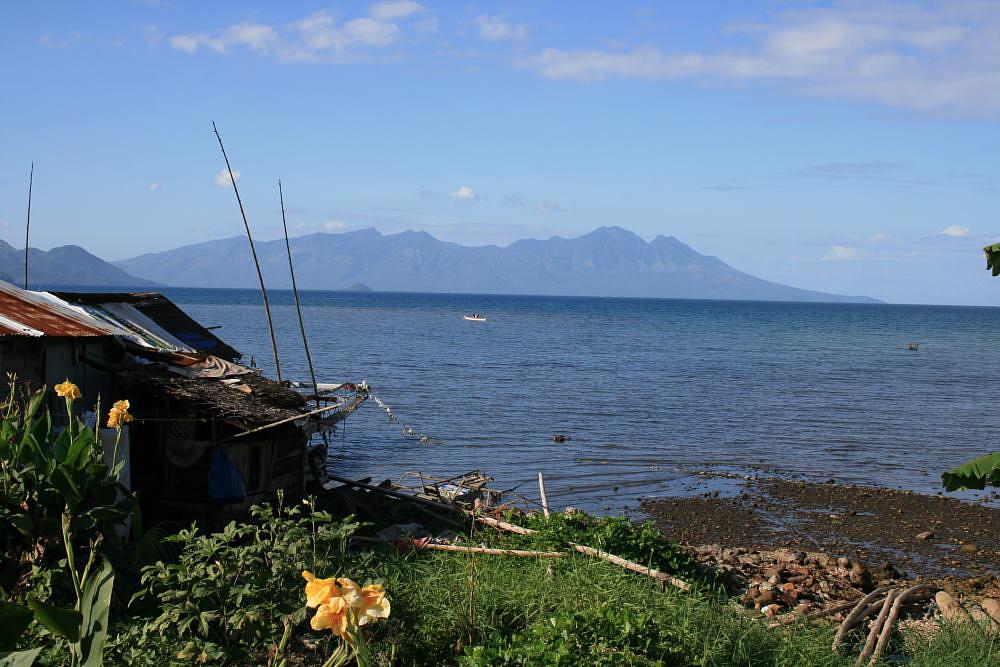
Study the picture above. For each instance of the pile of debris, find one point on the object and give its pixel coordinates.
(783, 580)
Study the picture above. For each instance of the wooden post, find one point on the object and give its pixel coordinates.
(541, 489)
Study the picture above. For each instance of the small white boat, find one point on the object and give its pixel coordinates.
(475, 317)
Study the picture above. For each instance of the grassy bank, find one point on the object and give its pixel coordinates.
(464, 609)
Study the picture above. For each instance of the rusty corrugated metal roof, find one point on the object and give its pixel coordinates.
(24, 313)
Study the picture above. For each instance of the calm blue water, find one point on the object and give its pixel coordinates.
(647, 389)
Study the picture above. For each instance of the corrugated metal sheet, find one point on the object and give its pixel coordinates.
(186, 332)
(24, 313)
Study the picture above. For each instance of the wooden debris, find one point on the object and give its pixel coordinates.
(876, 628)
(898, 602)
(490, 551)
(634, 567)
(541, 490)
(856, 614)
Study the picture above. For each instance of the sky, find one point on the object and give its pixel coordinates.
(850, 147)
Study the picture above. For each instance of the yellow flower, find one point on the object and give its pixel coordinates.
(67, 389)
(373, 605)
(318, 591)
(350, 591)
(334, 616)
(119, 415)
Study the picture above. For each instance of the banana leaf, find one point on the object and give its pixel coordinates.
(19, 658)
(993, 258)
(975, 474)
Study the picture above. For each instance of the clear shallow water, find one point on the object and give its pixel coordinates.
(646, 389)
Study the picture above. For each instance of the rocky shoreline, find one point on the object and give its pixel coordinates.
(784, 544)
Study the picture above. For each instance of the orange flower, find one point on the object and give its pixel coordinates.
(119, 415)
(333, 616)
(318, 591)
(67, 390)
(373, 604)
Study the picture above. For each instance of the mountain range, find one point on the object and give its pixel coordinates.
(610, 261)
(67, 265)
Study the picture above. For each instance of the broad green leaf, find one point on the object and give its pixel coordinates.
(20, 658)
(95, 605)
(975, 474)
(14, 619)
(62, 622)
(993, 258)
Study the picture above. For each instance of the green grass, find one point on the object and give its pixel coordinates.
(475, 610)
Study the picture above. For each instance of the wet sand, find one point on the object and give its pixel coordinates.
(873, 526)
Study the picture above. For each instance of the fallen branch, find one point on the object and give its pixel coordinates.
(876, 628)
(859, 612)
(883, 639)
(819, 613)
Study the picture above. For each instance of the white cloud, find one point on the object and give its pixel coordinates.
(936, 56)
(154, 186)
(335, 225)
(880, 237)
(316, 38)
(222, 178)
(464, 192)
(254, 36)
(152, 36)
(427, 26)
(955, 231)
(66, 41)
(549, 206)
(496, 29)
(389, 10)
(840, 253)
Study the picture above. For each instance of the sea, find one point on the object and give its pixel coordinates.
(651, 394)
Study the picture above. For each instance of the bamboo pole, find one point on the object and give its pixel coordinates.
(27, 226)
(541, 490)
(253, 252)
(493, 552)
(295, 293)
(503, 525)
(634, 567)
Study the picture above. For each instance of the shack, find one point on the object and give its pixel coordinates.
(210, 437)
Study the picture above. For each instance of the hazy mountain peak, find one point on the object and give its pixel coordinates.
(609, 261)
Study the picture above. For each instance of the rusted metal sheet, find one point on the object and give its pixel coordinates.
(24, 313)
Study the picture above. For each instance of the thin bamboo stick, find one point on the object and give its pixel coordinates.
(503, 525)
(634, 567)
(541, 490)
(295, 293)
(253, 251)
(494, 552)
(27, 226)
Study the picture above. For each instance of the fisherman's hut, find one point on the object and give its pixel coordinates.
(210, 436)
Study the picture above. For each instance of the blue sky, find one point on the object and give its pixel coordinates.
(848, 147)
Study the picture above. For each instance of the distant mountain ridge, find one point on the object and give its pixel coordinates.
(610, 261)
(67, 266)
